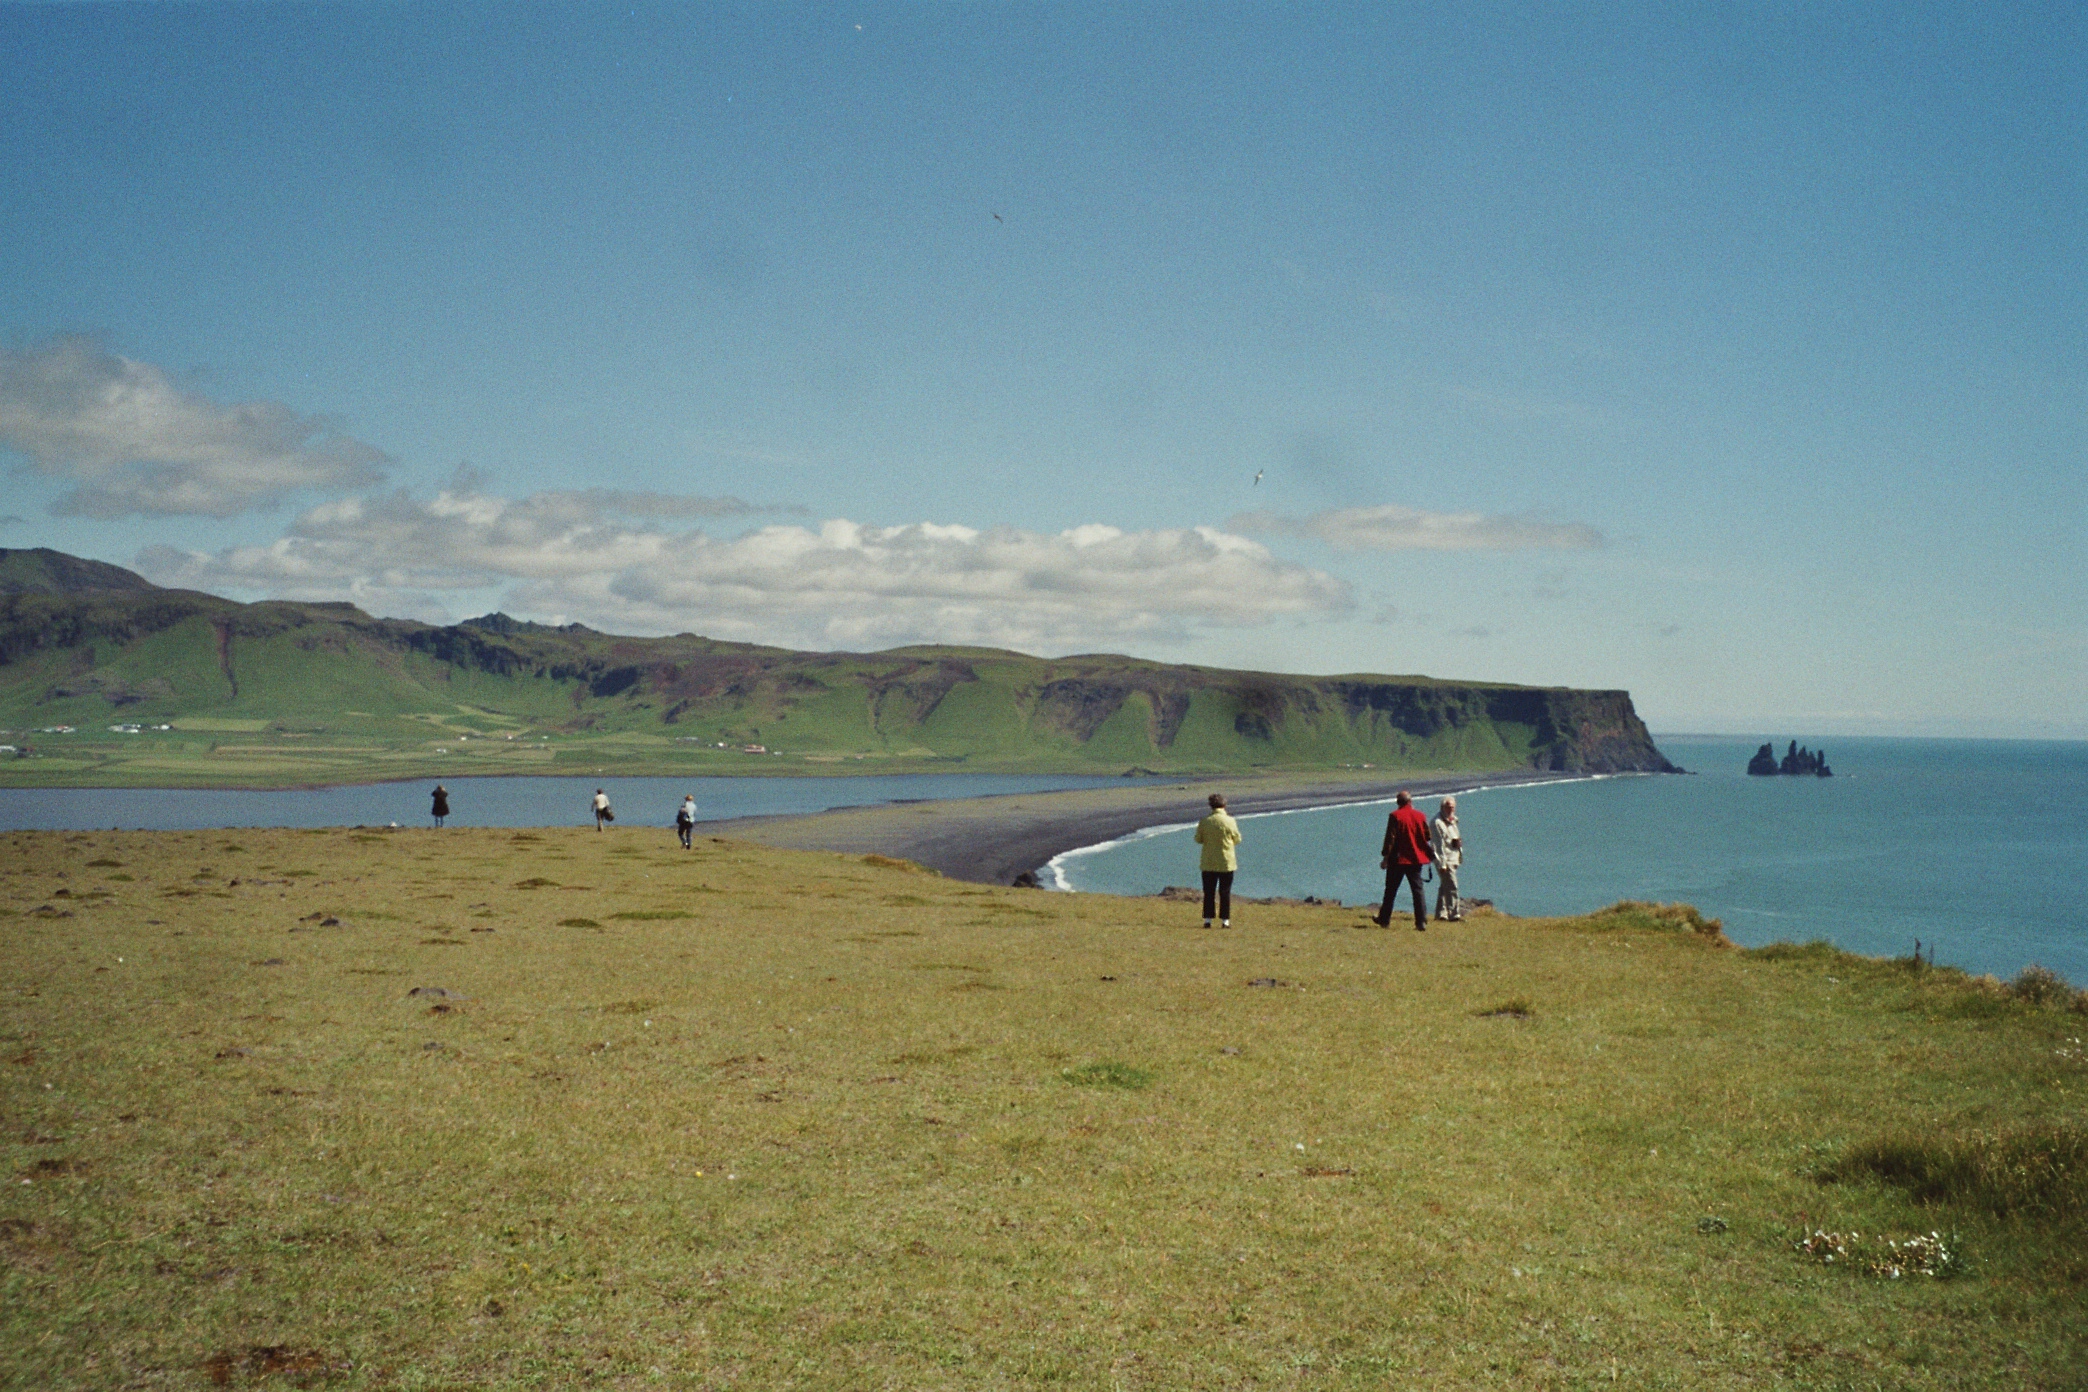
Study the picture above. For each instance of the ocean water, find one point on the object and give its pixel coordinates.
(498, 802)
(1978, 848)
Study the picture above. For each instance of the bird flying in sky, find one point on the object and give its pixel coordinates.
(1257, 478)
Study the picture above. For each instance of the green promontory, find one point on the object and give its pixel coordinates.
(282, 692)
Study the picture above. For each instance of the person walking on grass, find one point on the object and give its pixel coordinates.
(1446, 844)
(440, 809)
(603, 816)
(685, 821)
(1218, 833)
(1405, 852)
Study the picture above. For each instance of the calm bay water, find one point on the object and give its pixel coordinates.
(498, 802)
(1976, 846)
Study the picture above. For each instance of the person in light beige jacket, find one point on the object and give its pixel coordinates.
(1446, 843)
(1218, 834)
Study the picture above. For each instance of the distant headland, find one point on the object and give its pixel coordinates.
(106, 678)
(1797, 761)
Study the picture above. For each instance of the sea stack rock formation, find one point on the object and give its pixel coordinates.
(1797, 761)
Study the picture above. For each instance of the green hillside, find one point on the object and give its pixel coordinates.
(41, 570)
(257, 692)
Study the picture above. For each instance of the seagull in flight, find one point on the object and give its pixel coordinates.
(998, 218)
(1257, 478)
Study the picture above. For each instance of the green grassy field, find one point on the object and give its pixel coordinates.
(759, 1118)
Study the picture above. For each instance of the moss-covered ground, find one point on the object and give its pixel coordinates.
(760, 1118)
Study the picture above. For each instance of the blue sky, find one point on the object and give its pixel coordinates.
(1730, 354)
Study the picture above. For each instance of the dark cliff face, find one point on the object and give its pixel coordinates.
(1421, 710)
(1079, 706)
(1574, 731)
(73, 646)
(32, 621)
(1599, 732)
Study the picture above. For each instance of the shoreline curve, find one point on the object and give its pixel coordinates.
(992, 840)
(1419, 789)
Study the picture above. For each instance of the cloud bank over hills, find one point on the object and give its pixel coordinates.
(604, 558)
(135, 443)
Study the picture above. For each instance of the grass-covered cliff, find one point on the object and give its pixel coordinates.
(492, 1109)
(93, 646)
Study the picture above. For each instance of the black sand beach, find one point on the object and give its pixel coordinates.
(991, 840)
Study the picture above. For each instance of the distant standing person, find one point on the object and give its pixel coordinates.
(1218, 833)
(1406, 851)
(603, 816)
(685, 821)
(1446, 843)
(440, 809)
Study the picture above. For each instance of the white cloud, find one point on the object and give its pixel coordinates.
(133, 442)
(836, 584)
(1395, 528)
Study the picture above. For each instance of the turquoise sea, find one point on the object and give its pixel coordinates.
(1978, 848)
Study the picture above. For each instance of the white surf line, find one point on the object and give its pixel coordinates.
(1056, 865)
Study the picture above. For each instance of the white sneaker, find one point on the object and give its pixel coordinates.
(1226, 923)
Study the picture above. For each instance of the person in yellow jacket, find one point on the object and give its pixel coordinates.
(1218, 834)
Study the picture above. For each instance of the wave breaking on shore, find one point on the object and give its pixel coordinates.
(1054, 876)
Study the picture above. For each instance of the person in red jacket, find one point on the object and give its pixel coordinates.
(1406, 851)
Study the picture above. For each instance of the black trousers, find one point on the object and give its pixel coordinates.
(685, 830)
(1410, 875)
(1219, 883)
